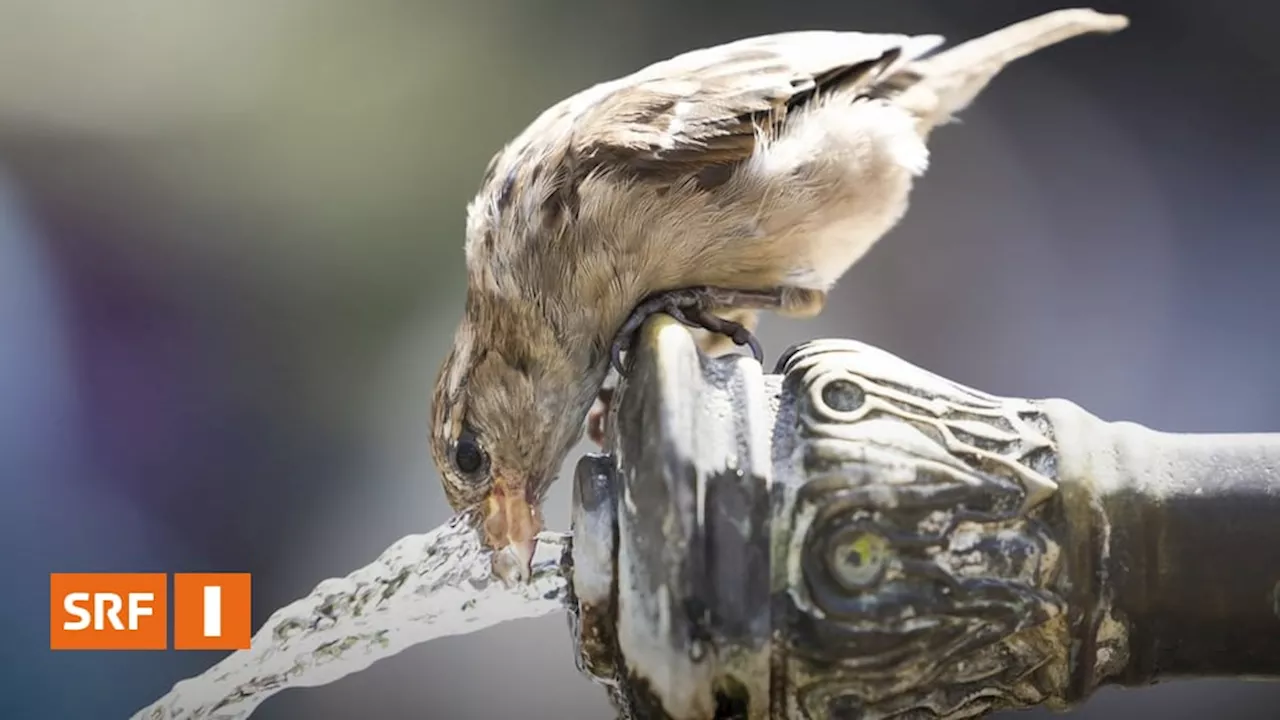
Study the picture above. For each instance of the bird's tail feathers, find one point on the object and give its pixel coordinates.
(949, 80)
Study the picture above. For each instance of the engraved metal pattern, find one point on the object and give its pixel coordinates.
(920, 578)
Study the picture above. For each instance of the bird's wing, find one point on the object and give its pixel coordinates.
(706, 107)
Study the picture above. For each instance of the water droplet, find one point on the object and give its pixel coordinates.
(697, 650)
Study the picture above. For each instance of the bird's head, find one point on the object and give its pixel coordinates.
(508, 406)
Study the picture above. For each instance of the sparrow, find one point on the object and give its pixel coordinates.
(711, 186)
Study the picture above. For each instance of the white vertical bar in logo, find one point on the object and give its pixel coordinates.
(213, 611)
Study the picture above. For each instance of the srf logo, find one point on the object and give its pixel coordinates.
(129, 611)
(117, 611)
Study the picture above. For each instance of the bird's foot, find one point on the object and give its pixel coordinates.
(598, 418)
(695, 307)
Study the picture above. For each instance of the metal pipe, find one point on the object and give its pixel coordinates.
(853, 536)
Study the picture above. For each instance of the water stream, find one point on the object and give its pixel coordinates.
(423, 587)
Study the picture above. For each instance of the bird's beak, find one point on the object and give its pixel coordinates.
(512, 523)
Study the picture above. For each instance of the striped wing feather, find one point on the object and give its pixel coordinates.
(706, 107)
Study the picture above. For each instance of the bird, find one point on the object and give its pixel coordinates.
(712, 186)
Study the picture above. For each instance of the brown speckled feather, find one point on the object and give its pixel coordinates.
(709, 107)
(687, 121)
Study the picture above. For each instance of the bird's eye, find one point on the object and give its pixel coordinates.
(468, 456)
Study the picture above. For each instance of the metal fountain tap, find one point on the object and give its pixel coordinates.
(855, 537)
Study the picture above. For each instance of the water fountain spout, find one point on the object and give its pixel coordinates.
(855, 537)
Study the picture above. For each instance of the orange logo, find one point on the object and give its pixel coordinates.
(211, 611)
(108, 611)
(129, 611)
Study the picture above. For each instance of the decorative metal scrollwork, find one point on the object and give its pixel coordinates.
(922, 579)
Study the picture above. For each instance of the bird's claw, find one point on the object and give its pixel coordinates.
(598, 418)
(693, 307)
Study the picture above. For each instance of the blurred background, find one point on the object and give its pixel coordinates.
(231, 261)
